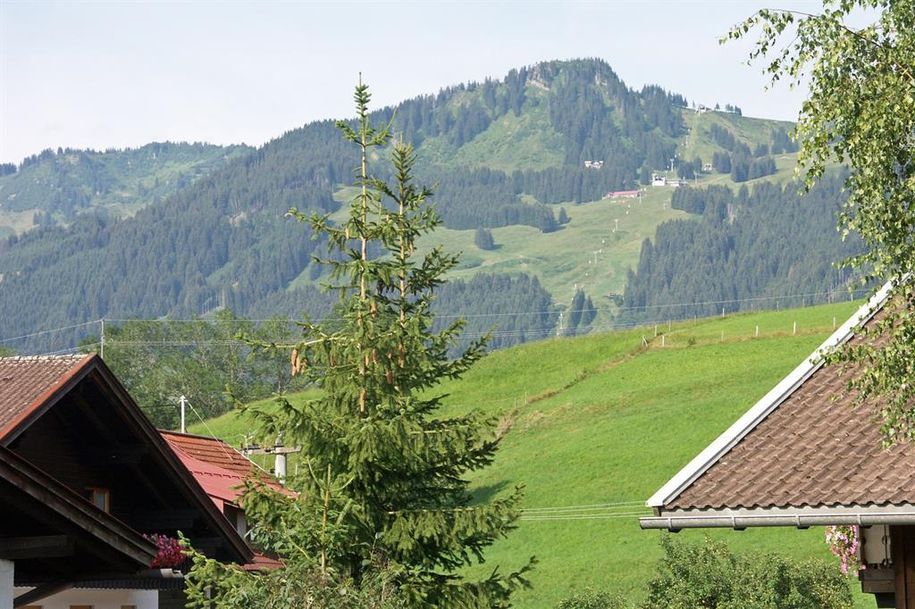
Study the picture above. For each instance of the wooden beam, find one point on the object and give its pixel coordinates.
(903, 542)
(42, 591)
(42, 546)
(152, 520)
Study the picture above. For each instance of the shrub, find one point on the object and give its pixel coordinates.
(709, 575)
(591, 599)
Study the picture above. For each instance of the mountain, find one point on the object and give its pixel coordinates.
(528, 157)
(53, 187)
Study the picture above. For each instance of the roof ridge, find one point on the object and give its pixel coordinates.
(184, 434)
(75, 366)
(40, 357)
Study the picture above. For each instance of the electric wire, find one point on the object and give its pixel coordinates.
(852, 294)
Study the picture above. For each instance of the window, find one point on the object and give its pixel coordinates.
(100, 498)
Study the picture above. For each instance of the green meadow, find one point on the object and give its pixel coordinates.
(605, 420)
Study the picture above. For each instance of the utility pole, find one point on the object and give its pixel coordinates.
(278, 450)
(102, 339)
(183, 402)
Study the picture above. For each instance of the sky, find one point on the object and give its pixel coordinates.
(121, 74)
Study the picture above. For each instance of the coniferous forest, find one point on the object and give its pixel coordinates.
(760, 242)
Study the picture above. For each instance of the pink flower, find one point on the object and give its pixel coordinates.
(169, 554)
(844, 542)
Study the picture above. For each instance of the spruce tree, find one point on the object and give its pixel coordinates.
(386, 472)
(483, 239)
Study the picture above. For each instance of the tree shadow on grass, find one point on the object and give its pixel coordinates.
(485, 494)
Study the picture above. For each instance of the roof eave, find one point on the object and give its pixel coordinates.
(769, 402)
(46, 400)
(798, 517)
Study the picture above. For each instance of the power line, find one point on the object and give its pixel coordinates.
(50, 331)
(588, 517)
(580, 508)
(493, 333)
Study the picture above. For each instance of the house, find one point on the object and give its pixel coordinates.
(805, 456)
(222, 471)
(706, 168)
(593, 164)
(68, 424)
(622, 194)
(658, 180)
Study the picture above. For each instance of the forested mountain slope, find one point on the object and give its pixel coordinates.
(518, 156)
(761, 242)
(54, 186)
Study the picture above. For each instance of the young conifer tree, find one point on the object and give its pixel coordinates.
(387, 466)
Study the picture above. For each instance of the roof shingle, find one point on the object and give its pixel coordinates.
(815, 449)
(27, 382)
(220, 469)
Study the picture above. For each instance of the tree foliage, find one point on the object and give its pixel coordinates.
(592, 599)
(710, 575)
(861, 111)
(386, 488)
(581, 313)
(203, 359)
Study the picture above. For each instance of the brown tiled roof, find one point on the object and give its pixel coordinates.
(26, 383)
(816, 449)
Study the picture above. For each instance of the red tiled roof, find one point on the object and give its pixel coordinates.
(26, 383)
(210, 450)
(220, 469)
(261, 562)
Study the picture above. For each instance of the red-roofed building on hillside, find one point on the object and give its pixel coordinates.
(222, 470)
(806, 455)
(623, 194)
(72, 426)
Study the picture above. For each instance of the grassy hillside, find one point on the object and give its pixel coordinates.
(607, 419)
(525, 141)
(604, 238)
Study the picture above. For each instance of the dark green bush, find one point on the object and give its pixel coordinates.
(710, 576)
(591, 599)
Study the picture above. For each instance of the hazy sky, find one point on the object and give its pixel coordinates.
(116, 74)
